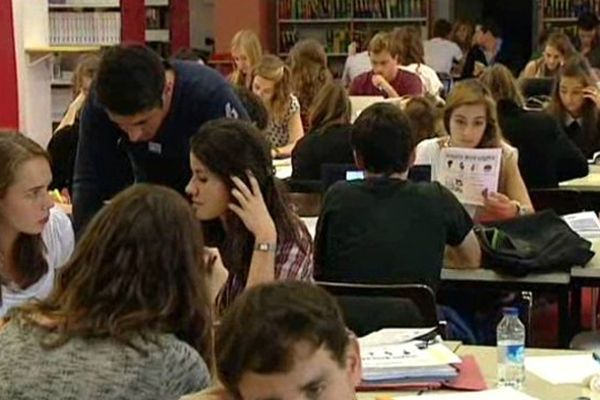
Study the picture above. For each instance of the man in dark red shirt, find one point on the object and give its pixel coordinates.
(385, 79)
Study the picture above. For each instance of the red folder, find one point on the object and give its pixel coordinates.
(469, 379)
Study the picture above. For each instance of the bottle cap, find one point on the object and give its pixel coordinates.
(513, 311)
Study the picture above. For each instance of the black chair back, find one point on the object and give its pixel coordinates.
(368, 308)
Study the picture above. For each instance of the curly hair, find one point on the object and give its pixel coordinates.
(308, 62)
(137, 271)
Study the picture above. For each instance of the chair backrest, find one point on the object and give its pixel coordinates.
(560, 200)
(306, 204)
(368, 308)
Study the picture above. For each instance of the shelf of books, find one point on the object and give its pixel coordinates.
(337, 23)
(562, 14)
(158, 25)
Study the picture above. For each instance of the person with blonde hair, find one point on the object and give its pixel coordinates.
(246, 51)
(328, 141)
(308, 63)
(471, 122)
(557, 49)
(127, 319)
(272, 82)
(546, 155)
(36, 239)
(386, 79)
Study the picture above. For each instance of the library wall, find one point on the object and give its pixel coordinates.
(202, 22)
(256, 15)
(9, 112)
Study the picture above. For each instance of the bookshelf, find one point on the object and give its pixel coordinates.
(157, 27)
(336, 23)
(562, 14)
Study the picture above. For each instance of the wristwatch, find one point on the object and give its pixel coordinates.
(521, 209)
(266, 247)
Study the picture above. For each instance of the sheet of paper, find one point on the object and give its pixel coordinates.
(494, 394)
(311, 225)
(586, 224)
(563, 369)
(406, 355)
(393, 335)
(469, 173)
(283, 168)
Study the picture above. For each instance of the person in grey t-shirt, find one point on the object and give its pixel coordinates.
(129, 316)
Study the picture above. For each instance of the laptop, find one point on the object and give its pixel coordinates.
(332, 173)
(535, 87)
(359, 103)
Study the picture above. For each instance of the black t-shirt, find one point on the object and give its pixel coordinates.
(104, 152)
(327, 146)
(387, 231)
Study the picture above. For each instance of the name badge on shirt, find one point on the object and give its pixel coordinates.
(154, 147)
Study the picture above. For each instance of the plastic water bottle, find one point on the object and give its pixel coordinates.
(510, 339)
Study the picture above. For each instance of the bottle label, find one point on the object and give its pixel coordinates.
(515, 353)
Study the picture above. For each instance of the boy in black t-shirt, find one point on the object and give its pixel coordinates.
(387, 229)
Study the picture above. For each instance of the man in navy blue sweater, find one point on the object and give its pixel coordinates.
(137, 124)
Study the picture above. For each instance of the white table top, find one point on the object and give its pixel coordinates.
(590, 183)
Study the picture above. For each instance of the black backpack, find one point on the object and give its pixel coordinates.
(540, 242)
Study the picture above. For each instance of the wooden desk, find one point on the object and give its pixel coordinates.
(534, 386)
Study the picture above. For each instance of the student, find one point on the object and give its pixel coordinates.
(257, 112)
(471, 121)
(423, 117)
(35, 238)
(138, 121)
(272, 83)
(411, 57)
(440, 53)
(285, 341)
(329, 139)
(387, 229)
(462, 34)
(385, 79)
(246, 214)
(356, 64)
(308, 65)
(63, 144)
(546, 155)
(587, 41)
(575, 103)
(488, 48)
(557, 49)
(128, 319)
(246, 51)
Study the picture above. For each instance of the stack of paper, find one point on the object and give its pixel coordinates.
(586, 224)
(563, 369)
(393, 356)
(495, 394)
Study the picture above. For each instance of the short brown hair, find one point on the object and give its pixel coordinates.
(136, 271)
(422, 114)
(331, 106)
(260, 330)
(381, 42)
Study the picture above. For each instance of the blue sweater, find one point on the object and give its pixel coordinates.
(107, 161)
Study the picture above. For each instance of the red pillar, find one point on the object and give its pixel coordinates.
(180, 25)
(9, 97)
(133, 21)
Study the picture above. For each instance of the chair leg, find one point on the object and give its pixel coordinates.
(528, 297)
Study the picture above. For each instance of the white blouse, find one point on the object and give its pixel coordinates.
(59, 239)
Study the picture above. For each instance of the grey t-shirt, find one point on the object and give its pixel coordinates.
(96, 369)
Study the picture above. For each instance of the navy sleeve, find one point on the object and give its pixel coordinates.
(100, 166)
(223, 103)
(456, 219)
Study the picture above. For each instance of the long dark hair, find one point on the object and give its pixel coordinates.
(29, 252)
(229, 148)
(137, 271)
(331, 106)
(578, 67)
